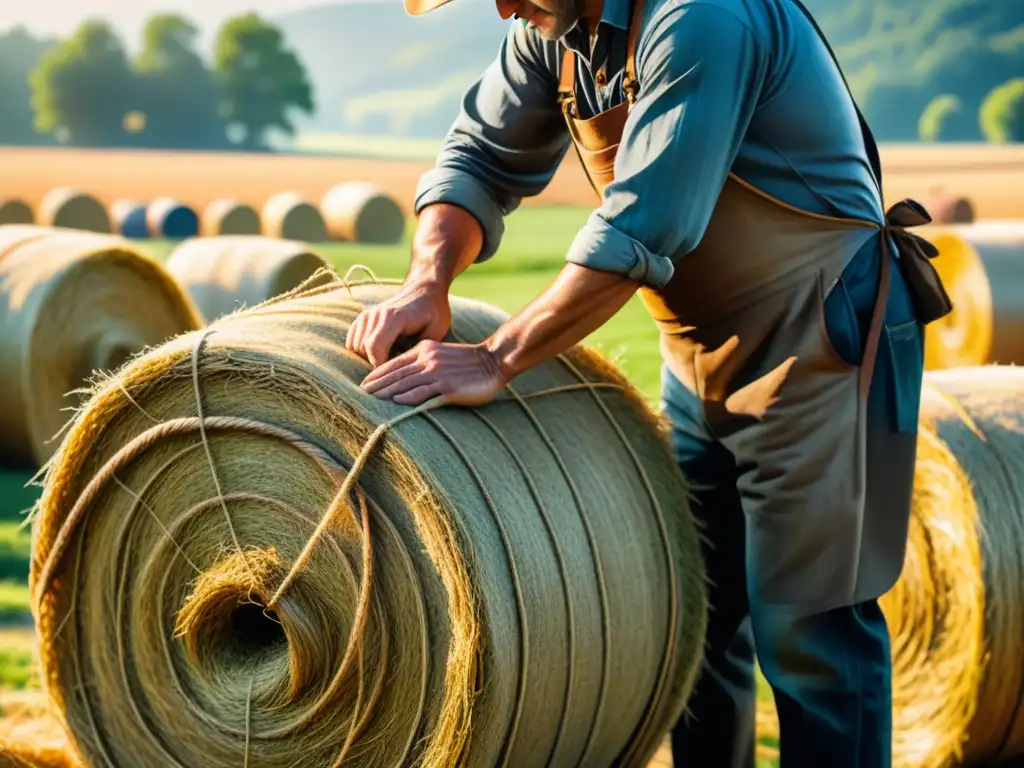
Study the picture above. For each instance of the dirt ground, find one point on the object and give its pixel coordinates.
(991, 176)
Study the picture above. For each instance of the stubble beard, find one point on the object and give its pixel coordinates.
(564, 14)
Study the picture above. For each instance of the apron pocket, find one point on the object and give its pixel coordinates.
(906, 360)
(842, 330)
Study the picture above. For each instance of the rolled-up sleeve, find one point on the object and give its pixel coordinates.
(506, 142)
(700, 70)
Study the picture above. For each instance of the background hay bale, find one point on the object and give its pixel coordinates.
(229, 217)
(171, 219)
(949, 209)
(71, 302)
(460, 572)
(289, 216)
(982, 266)
(15, 211)
(222, 274)
(956, 615)
(71, 208)
(30, 735)
(129, 218)
(360, 212)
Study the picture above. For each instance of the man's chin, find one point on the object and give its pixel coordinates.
(553, 28)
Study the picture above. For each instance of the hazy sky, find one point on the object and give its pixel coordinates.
(60, 17)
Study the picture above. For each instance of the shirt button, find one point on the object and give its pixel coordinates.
(602, 79)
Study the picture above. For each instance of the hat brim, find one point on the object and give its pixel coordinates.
(419, 7)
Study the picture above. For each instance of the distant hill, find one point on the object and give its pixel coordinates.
(379, 71)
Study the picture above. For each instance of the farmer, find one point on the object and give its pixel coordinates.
(738, 193)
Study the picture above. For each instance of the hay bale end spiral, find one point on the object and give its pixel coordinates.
(129, 219)
(361, 212)
(289, 216)
(982, 267)
(229, 217)
(71, 303)
(73, 209)
(171, 219)
(16, 211)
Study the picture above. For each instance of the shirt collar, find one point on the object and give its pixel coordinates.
(614, 13)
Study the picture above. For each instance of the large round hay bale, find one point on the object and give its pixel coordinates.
(229, 217)
(129, 217)
(15, 211)
(171, 219)
(294, 571)
(982, 266)
(73, 209)
(223, 274)
(71, 303)
(957, 613)
(360, 212)
(289, 216)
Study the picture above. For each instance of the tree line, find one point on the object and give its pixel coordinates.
(1000, 117)
(86, 91)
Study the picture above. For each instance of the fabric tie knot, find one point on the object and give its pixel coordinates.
(927, 291)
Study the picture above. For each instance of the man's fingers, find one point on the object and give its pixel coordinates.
(390, 366)
(359, 333)
(421, 394)
(381, 338)
(355, 333)
(404, 381)
(382, 379)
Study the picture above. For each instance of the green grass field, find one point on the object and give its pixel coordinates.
(368, 146)
(532, 253)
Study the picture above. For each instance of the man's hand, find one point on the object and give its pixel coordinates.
(465, 374)
(447, 240)
(419, 308)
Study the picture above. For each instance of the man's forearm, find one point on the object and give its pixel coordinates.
(448, 239)
(579, 302)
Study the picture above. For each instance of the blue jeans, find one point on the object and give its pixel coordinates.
(830, 673)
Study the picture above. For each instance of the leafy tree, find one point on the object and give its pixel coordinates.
(260, 80)
(945, 119)
(1002, 112)
(179, 95)
(83, 89)
(20, 53)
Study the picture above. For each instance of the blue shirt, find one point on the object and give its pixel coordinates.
(725, 85)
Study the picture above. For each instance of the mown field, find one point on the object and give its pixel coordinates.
(532, 253)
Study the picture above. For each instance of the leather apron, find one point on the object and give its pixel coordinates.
(742, 325)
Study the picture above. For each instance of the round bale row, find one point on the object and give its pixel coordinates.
(357, 212)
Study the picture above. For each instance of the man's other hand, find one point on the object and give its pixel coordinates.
(465, 374)
(418, 309)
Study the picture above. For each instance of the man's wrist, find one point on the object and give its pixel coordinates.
(505, 350)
